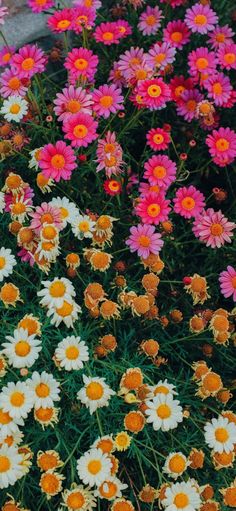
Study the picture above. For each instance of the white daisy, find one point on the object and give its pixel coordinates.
(181, 497)
(20, 208)
(7, 261)
(17, 399)
(83, 227)
(175, 464)
(220, 434)
(8, 425)
(95, 393)
(164, 412)
(2, 202)
(68, 209)
(67, 313)
(34, 161)
(10, 466)
(45, 389)
(14, 108)
(110, 489)
(94, 467)
(78, 497)
(162, 387)
(22, 349)
(48, 250)
(72, 353)
(55, 292)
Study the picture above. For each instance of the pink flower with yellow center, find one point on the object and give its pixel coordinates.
(160, 55)
(155, 93)
(213, 228)
(83, 17)
(219, 88)
(160, 170)
(40, 5)
(227, 281)
(81, 63)
(45, 214)
(11, 84)
(220, 36)
(189, 202)
(6, 54)
(176, 33)
(107, 100)
(112, 187)
(61, 21)
(71, 101)
(107, 33)
(57, 161)
(109, 155)
(178, 85)
(28, 61)
(187, 105)
(80, 130)
(227, 56)
(150, 20)
(158, 139)
(144, 240)
(201, 62)
(222, 144)
(201, 18)
(129, 61)
(153, 208)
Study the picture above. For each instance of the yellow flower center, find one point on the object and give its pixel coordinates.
(108, 36)
(176, 37)
(153, 210)
(2, 262)
(150, 20)
(181, 500)
(81, 64)
(22, 348)
(4, 417)
(73, 106)
(72, 352)
(222, 144)
(217, 88)
(14, 83)
(63, 24)
(49, 232)
(57, 289)
(161, 390)
(200, 19)
(177, 464)
(4, 464)
(42, 390)
(159, 171)
(82, 20)
(80, 131)
(216, 229)
(144, 241)
(233, 282)
(15, 108)
(64, 213)
(94, 390)
(84, 226)
(160, 57)
(201, 63)
(58, 161)
(17, 399)
(163, 411)
(65, 310)
(158, 138)
(188, 203)
(27, 64)
(221, 435)
(154, 91)
(75, 500)
(106, 101)
(94, 466)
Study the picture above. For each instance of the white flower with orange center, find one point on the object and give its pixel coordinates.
(47, 251)
(78, 498)
(220, 434)
(17, 399)
(83, 226)
(55, 292)
(45, 389)
(8, 425)
(51, 483)
(182, 497)
(105, 443)
(110, 489)
(175, 464)
(67, 313)
(23, 349)
(71, 353)
(14, 108)
(164, 412)
(95, 393)
(67, 208)
(162, 387)
(7, 262)
(35, 157)
(10, 466)
(94, 467)
(20, 208)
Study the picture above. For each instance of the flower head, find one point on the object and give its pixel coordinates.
(150, 20)
(227, 281)
(213, 228)
(80, 129)
(144, 240)
(188, 202)
(57, 161)
(107, 100)
(28, 61)
(201, 18)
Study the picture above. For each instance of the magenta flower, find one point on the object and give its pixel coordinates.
(6, 54)
(109, 155)
(40, 6)
(222, 145)
(28, 61)
(71, 101)
(219, 88)
(160, 170)
(61, 21)
(187, 104)
(107, 100)
(155, 93)
(144, 240)
(129, 61)
(201, 18)
(213, 228)
(176, 33)
(11, 84)
(80, 129)
(107, 33)
(201, 61)
(45, 214)
(220, 36)
(189, 202)
(153, 208)
(158, 139)
(227, 281)
(57, 161)
(81, 63)
(83, 17)
(227, 56)
(160, 55)
(150, 20)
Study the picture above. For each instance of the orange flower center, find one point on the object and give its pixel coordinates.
(108, 489)
(2, 262)
(233, 282)
(191, 105)
(188, 203)
(4, 417)
(15, 108)
(158, 138)
(17, 399)
(94, 390)
(106, 101)
(200, 19)
(176, 37)
(94, 466)
(163, 411)
(65, 310)
(177, 464)
(154, 91)
(217, 88)
(201, 63)
(220, 38)
(42, 390)
(216, 229)
(161, 390)
(153, 210)
(5, 464)
(46, 218)
(73, 106)
(144, 241)
(57, 289)
(22, 348)
(75, 500)
(222, 144)
(28, 64)
(81, 64)
(80, 131)
(181, 500)
(108, 36)
(50, 483)
(150, 20)
(229, 58)
(159, 171)
(179, 90)
(14, 83)
(58, 161)
(221, 435)
(63, 24)
(160, 57)
(72, 352)
(49, 232)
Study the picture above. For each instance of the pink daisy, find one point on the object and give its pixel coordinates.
(222, 145)
(231, 101)
(155, 93)
(187, 105)
(213, 228)
(124, 28)
(219, 88)
(6, 54)
(173, 3)
(227, 56)
(45, 214)
(129, 61)
(109, 155)
(160, 55)
(107, 33)
(11, 84)
(107, 100)
(176, 33)
(201, 62)
(71, 101)
(94, 4)
(201, 18)
(116, 76)
(57, 161)
(160, 170)
(158, 139)
(112, 187)
(29, 60)
(188, 202)
(83, 17)
(26, 256)
(220, 36)
(80, 129)
(153, 208)
(150, 20)
(26, 194)
(227, 281)
(144, 240)
(145, 188)
(40, 5)
(61, 21)
(178, 85)
(81, 62)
